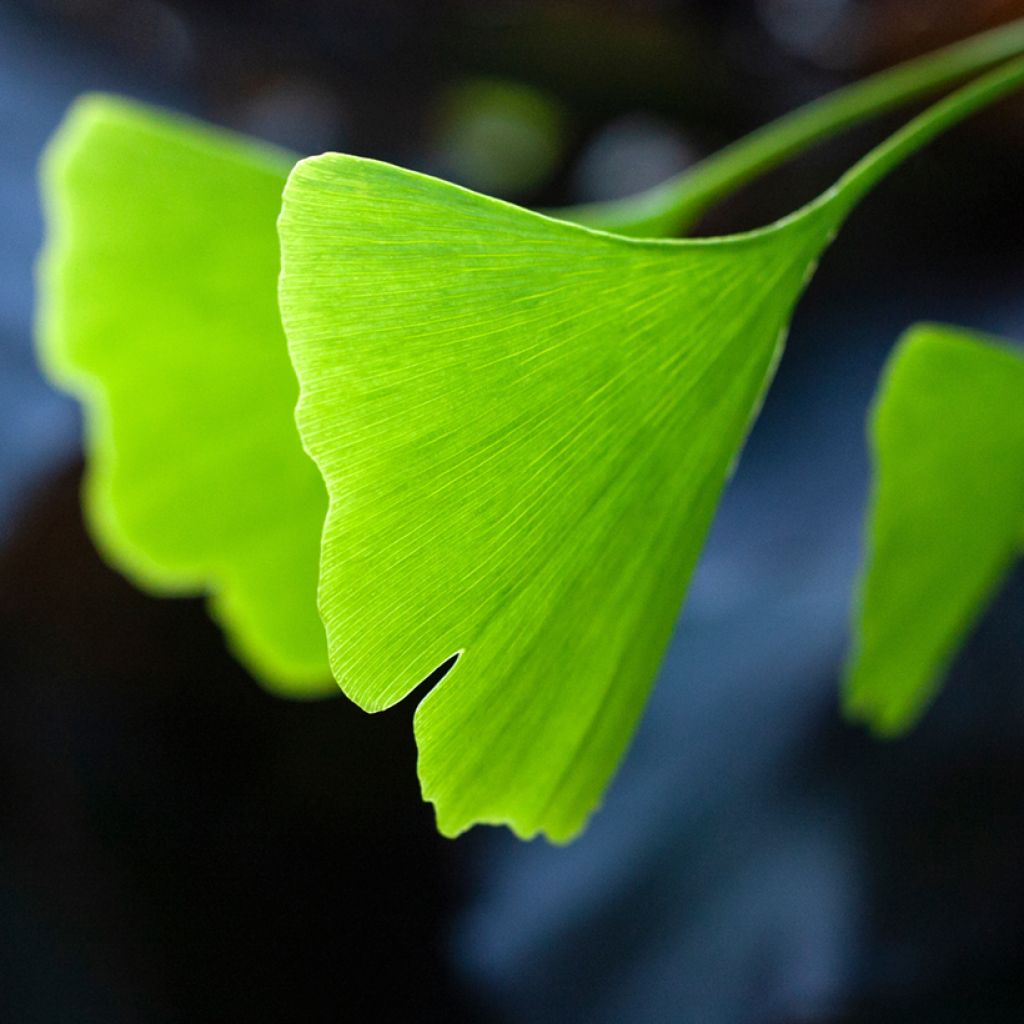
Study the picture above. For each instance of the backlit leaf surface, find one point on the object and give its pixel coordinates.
(158, 309)
(155, 309)
(947, 515)
(524, 427)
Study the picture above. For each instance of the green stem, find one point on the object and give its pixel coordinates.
(672, 207)
(867, 172)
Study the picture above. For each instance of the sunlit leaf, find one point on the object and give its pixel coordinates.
(157, 282)
(947, 515)
(158, 309)
(524, 427)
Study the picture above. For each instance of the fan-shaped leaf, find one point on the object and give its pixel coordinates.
(524, 427)
(159, 310)
(155, 301)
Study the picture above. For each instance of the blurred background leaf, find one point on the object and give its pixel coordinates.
(158, 310)
(947, 515)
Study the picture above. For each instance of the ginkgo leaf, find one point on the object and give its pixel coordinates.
(158, 309)
(946, 518)
(524, 427)
(159, 318)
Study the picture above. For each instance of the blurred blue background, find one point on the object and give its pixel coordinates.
(175, 845)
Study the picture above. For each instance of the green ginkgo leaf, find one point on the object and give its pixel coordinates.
(946, 519)
(524, 427)
(158, 308)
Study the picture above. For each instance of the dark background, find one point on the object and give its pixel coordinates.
(175, 845)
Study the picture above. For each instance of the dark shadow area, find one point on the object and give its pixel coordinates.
(177, 845)
(437, 675)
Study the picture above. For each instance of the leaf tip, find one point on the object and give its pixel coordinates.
(885, 720)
